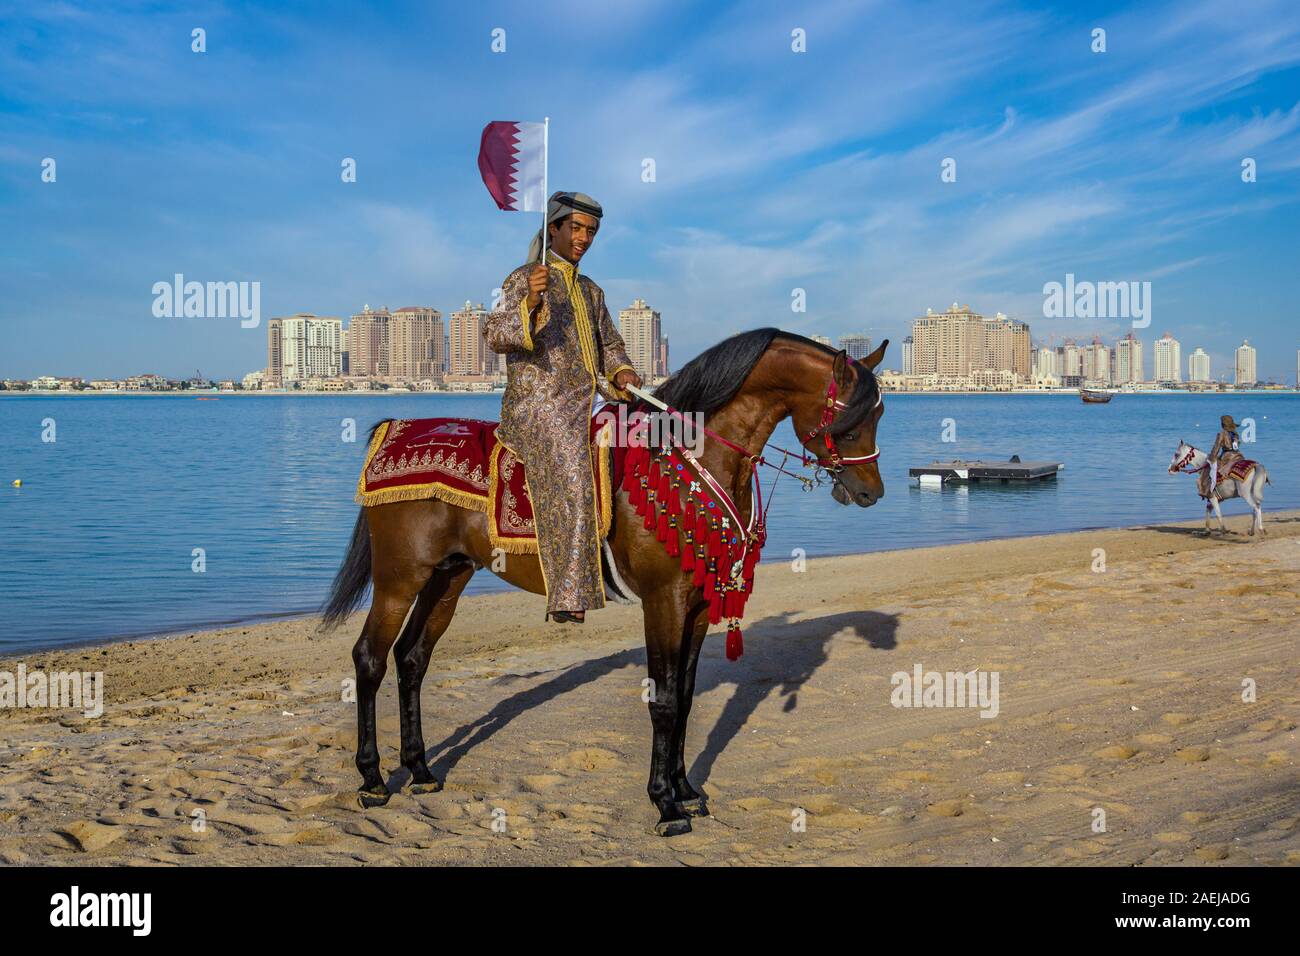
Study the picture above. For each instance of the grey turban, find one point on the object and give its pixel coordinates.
(561, 205)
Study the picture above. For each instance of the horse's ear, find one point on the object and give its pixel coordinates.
(876, 357)
(840, 369)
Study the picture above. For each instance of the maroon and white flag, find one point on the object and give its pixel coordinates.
(512, 159)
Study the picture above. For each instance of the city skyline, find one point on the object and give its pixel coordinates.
(772, 174)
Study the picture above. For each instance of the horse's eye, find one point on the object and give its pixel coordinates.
(851, 436)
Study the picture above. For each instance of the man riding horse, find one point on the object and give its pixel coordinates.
(561, 349)
(1224, 451)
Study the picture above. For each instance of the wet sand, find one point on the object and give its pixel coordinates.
(1119, 690)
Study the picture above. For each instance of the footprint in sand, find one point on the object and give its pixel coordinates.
(541, 782)
(1068, 771)
(1213, 853)
(948, 808)
(589, 758)
(1115, 752)
(1193, 754)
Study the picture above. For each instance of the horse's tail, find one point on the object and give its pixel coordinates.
(353, 577)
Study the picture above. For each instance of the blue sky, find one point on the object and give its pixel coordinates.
(775, 170)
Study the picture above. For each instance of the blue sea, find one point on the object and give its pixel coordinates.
(100, 540)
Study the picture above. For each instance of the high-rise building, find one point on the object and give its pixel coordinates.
(1069, 359)
(1096, 362)
(1128, 360)
(310, 347)
(857, 346)
(1198, 366)
(467, 352)
(415, 344)
(959, 342)
(1168, 357)
(1044, 363)
(821, 339)
(368, 343)
(274, 353)
(1246, 364)
(1006, 345)
(948, 344)
(642, 334)
(908, 362)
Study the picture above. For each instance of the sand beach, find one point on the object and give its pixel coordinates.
(1119, 690)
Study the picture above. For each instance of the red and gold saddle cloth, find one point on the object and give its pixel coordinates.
(1237, 471)
(460, 461)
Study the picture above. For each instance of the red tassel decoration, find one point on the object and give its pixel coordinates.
(670, 543)
(700, 569)
(735, 642)
(715, 543)
(688, 554)
(715, 608)
(661, 527)
(710, 586)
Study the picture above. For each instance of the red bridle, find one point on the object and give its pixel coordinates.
(1187, 459)
(836, 461)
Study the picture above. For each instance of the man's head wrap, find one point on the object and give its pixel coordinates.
(563, 204)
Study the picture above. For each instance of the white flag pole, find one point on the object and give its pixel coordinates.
(546, 195)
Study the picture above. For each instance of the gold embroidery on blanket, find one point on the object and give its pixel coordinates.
(512, 522)
(383, 468)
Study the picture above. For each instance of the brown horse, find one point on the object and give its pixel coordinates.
(423, 553)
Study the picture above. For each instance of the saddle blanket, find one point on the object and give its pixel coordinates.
(461, 461)
(1237, 471)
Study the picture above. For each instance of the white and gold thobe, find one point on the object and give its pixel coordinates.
(556, 364)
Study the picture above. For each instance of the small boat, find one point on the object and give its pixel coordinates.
(1094, 397)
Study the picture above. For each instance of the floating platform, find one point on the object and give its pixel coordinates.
(959, 471)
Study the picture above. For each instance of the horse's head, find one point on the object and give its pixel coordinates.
(1183, 457)
(839, 430)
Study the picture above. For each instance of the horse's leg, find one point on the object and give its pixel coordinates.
(1261, 479)
(436, 606)
(693, 802)
(664, 617)
(1209, 510)
(370, 656)
(1218, 512)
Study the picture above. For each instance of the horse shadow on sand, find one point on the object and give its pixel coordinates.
(1232, 536)
(781, 654)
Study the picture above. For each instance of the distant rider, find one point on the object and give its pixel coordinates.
(1225, 451)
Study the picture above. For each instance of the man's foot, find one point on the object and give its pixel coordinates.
(569, 617)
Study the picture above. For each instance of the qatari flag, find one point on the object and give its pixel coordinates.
(512, 159)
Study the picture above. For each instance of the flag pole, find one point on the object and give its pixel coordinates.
(546, 196)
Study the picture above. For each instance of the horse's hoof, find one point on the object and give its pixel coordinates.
(672, 828)
(699, 807)
(373, 797)
(430, 786)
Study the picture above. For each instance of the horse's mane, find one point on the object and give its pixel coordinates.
(710, 380)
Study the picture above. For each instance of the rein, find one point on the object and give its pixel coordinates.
(1182, 468)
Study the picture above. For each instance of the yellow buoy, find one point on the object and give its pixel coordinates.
(18, 482)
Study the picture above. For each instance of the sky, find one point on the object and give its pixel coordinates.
(775, 170)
